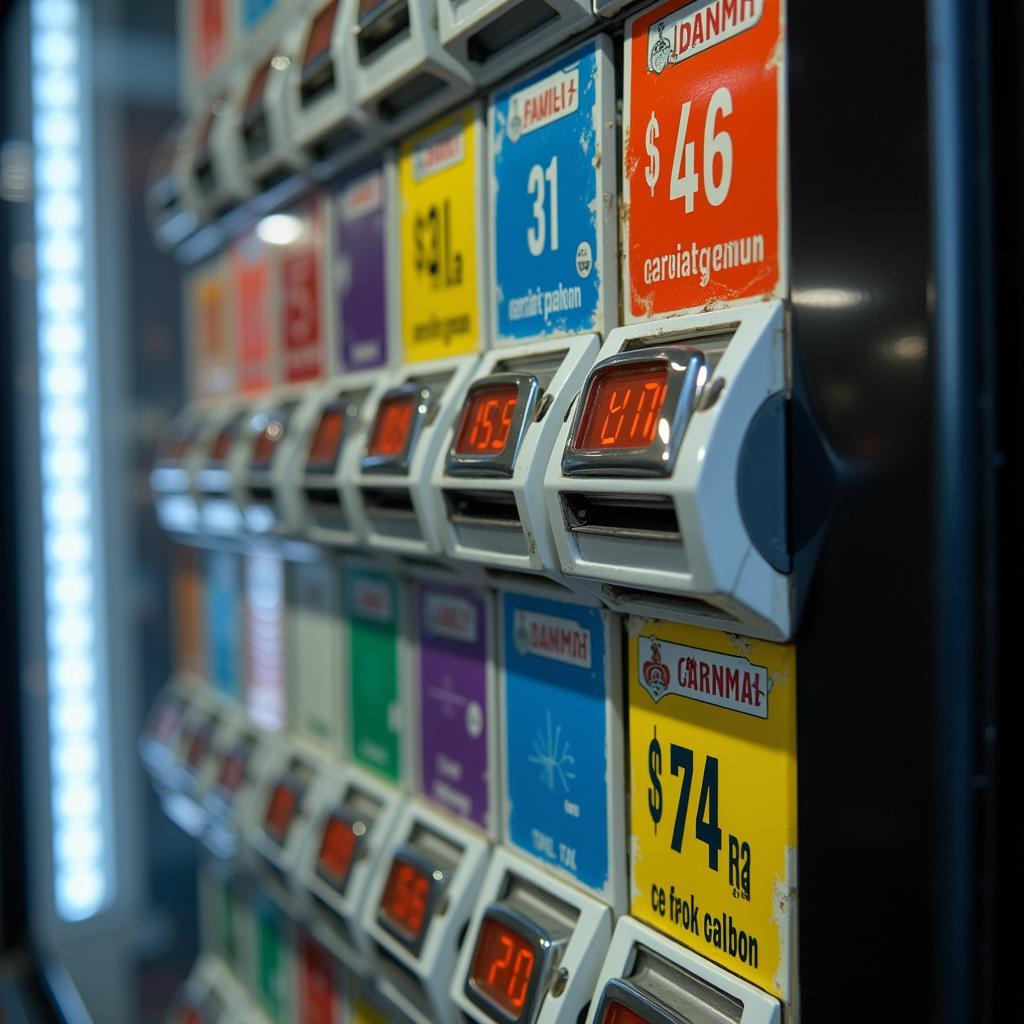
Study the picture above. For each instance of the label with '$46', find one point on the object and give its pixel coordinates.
(703, 169)
(712, 740)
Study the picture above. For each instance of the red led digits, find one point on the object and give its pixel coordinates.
(197, 748)
(323, 451)
(337, 850)
(280, 812)
(320, 33)
(405, 897)
(503, 965)
(222, 445)
(263, 450)
(616, 1013)
(231, 772)
(392, 425)
(623, 407)
(487, 420)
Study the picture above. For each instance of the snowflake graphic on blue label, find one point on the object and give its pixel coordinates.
(555, 735)
(546, 200)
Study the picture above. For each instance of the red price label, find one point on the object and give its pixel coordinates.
(304, 342)
(317, 1006)
(211, 42)
(249, 268)
(702, 166)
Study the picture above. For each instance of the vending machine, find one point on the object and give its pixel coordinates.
(523, 452)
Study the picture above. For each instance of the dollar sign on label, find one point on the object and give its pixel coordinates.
(654, 790)
(653, 168)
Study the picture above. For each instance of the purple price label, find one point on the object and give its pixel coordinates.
(361, 271)
(454, 637)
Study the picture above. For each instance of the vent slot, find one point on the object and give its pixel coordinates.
(671, 604)
(257, 138)
(262, 494)
(334, 922)
(205, 177)
(523, 19)
(406, 983)
(339, 139)
(319, 82)
(632, 516)
(388, 502)
(417, 90)
(496, 508)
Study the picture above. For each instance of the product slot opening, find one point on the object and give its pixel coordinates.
(495, 507)
(636, 516)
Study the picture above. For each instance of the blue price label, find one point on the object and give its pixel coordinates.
(548, 175)
(556, 741)
(224, 620)
(254, 11)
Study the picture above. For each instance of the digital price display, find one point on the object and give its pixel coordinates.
(338, 850)
(232, 771)
(320, 33)
(166, 721)
(623, 407)
(199, 743)
(504, 966)
(254, 97)
(408, 899)
(487, 419)
(177, 443)
(326, 443)
(616, 1013)
(267, 440)
(222, 443)
(393, 426)
(281, 811)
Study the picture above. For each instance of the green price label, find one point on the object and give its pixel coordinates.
(373, 672)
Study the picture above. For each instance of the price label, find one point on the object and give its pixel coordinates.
(254, 11)
(549, 176)
(439, 224)
(317, 984)
(211, 35)
(702, 180)
(250, 276)
(190, 650)
(557, 688)
(224, 620)
(454, 649)
(360, 270)
(272, 958)
(304, 354)
(372, 611)
(712, 739)
(264, 615)
(213, 366)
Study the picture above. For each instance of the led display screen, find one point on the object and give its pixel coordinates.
(623, 407)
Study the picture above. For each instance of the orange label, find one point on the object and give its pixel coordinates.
(701, 158)
(252, 314)
(213, 367)
(211, 36)
(189, 613)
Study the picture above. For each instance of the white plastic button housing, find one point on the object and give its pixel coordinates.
(570, 932)
(495, 37)
(491, 508)
(662, 531)
(326, 120)
(663, 982)
(390, 499)
(415, 975)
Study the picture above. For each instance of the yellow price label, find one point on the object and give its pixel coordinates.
(438, 182)
(712, 736)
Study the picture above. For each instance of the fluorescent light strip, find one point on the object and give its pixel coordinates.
(81, 828)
